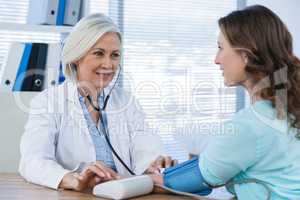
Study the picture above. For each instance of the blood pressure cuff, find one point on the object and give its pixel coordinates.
(186, 177)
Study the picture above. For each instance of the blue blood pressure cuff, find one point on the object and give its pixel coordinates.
(186, 177)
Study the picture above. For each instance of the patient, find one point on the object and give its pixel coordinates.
(257, 156)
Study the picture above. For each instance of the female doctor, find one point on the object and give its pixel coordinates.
(257, 154)
(88, 130)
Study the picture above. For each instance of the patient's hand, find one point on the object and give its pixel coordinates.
(89, 177)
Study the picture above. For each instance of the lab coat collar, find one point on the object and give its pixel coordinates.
(72, 91)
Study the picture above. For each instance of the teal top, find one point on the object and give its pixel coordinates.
(255, 145)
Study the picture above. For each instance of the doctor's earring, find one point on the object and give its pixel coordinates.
(71, 70)
(73, 67)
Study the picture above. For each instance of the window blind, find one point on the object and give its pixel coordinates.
(170, 48)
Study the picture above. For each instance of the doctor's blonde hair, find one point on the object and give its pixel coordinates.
(83, 37)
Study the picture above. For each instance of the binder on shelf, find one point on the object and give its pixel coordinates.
(60, 12)
(72, 12)
(84, 8)
(43, 12)
(54, 12)
(12, 66)
(32, 67)
(34, 78)
(53, 65)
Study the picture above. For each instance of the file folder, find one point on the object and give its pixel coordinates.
(53, 64)
(72, 12)
(61, 12)
(43, 12)
(11, 65)
(34, 79)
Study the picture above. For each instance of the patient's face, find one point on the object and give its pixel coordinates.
(231, 62)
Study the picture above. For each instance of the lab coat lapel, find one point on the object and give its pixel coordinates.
(75, 113)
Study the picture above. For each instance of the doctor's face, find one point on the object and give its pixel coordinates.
(231, 62)
(101, 62)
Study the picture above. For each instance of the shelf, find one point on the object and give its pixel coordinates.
(34, 28)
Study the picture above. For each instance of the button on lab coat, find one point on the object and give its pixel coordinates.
(57, 140)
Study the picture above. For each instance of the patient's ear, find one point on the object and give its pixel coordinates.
(244, 57)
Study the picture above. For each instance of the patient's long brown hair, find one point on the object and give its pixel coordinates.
(264, 38)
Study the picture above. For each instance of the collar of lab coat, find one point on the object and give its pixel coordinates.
(72, 91)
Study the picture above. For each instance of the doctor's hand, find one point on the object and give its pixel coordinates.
(89, 177)
(160, 162)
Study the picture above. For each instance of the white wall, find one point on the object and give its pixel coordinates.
(288, 11)
(12, 120)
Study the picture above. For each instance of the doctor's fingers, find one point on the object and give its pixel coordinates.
(111, 174)
(158, 162)
(94, 181)
(168, 162)
(152, 170)
(174, 162)
(92, 171)
(80, 183)
(83, 183)
(163, 161)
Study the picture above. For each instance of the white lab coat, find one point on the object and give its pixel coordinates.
(56, 138)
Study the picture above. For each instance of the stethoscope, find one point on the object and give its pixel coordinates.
(103, 125)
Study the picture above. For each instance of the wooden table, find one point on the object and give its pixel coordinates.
(14, 187)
